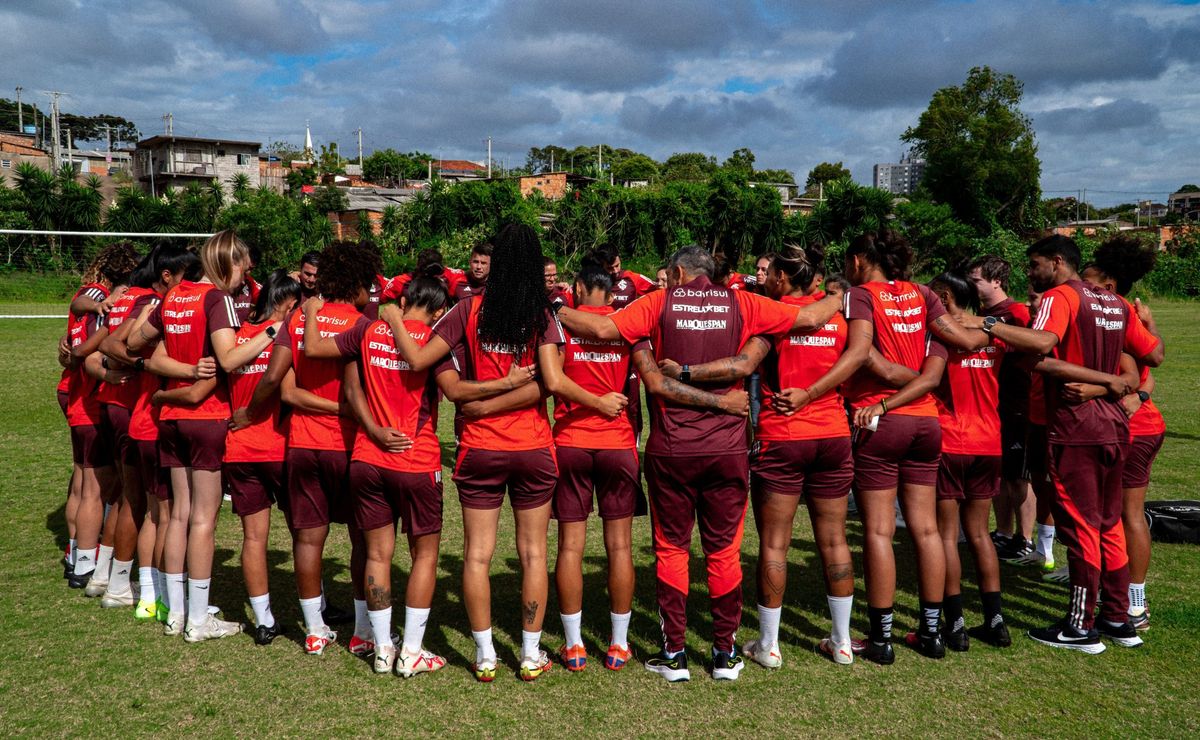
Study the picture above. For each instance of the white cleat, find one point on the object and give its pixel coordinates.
(840, 653)
(385, 658)
(1061, 575)
(95, 587)
(767, 656)
(422, 661)
(174, 625)
(113, 601)
(211, 629)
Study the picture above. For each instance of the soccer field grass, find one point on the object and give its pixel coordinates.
(72, 668)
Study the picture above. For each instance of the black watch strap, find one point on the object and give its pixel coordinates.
(1143, 395)
(686, 374)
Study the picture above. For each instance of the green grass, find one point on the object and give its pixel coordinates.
(71, 668)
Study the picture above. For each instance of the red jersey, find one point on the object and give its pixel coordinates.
(378, 286)
(245, 298)
(143, 419)
(83, 407)
(1093, 329)
(798, 360)
(1014, 381)
(1147, 421)
(598, 366)
(523, 429)
(307, 430)
(395, 287)
(901, 313)
(968, 399)
(190, 313)
(629, 286)
(737, 281)
(693, 324)
(262, 441)
(126, 394)
(96, 292)
(398, 397)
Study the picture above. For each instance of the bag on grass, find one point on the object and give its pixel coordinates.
(1174, 521)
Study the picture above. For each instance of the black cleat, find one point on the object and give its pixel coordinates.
(957, 640)
(931, 646)
(1123, 634)
(995, 635)
(264, 635)
(333, 615)
(1016, 549)
(673, 668)
(1063, 635)
(876, 652)
(1000, 540)
(727, 666)
(77, 581)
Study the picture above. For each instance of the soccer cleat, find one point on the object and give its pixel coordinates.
(211, 629)
(535, 667)
(68, 568)
(422, 661)
(485, 671)
(1123, 634)
(995, 634)
(1059, 575)
(842, 654)
(1015, 550)
(880, 653)
(173, 627)
(78, 581)
(145, 610)
(333, 615)
(957, 640)
(1033, 558)
(574, 657)
(617, 657)
(1140, 622)
(264, 635)
(385, 659)
(671, 667)
(767, 656)
(113, 601)
(95, 587)
(316, 644)
(726, 666)
(362, 648)
(1000, 539)
(161, 611)
(931, 646)
(1063, 635)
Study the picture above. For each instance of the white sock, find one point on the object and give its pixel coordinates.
(1137, 599)
(71, 551)
(414, 628)
(197, 609)
(381, 625)
(147, 584)
(85, 562)
(118, 580)
(839, 613)
(262, 610)
(571, 624)
(324, 602)
(103, 562)
(362, 623)
(529, 644)
(768, 625)
(620, 629)
(484, 649)
(176, 603)
(314, 623)
(160, 584)
(1045, 541)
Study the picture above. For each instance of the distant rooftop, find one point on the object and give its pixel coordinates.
(163, 139)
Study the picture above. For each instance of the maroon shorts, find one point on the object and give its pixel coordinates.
(254, 486)
(1140, 459)
(483, 475)
(1037, 461)
(89, 447)
(381, 496)
(116, 426)
(317, 488)
(155, 477)
(975, 477)
(192, 443)
(714, 489)
(613, 474)
(816, 468)
(64, 399)
(904, 450)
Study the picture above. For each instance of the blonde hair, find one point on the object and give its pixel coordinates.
(218, 256)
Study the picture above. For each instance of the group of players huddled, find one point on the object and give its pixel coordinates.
(318, 392)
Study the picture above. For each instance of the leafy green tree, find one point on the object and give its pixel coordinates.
(286, 152)
(688, 166)
(330, 161)
(328, 198)
(979, 150)
(1189, 188)
(239, 183)
(777, 176)
(741, 162)
(637, 167)
(939, 241)
(298, 178)
(823, 173)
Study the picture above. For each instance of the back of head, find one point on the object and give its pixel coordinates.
(958, 286)
(515, 306)
(428, 293)
(429, 260)
(175, 260)
(695, 261)
(886, 249)
(801, 265)
(345, 270)
(277, 289)
(592, 276)
(992, 267)
(605, 255)
(113, 264)
(722, 268)
(839, 280)
(144, 276)
(1125, 260)
(1056, 245)
(220, 254)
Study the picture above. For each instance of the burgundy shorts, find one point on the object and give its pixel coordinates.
(155, 477)
(116, 426)
(483, 475)
(254, 486)
(317, 488)
(612, 474)
(904, 450)
(64, 398)
(89, 447)
(816, 468)
(1014, 435)
(1037, 450)
(381, 496)
(975, 477)
(1140, 459)
(192, 443)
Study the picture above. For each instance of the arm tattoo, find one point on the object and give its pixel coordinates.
(685, 394)
(531, 612)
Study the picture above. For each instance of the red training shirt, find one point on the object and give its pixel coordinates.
(262, 441)
(307, 430)
(189, 314)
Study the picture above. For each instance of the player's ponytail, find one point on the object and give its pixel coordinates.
(800, 265)
(884, 249)
(279, 288)
(961, 289)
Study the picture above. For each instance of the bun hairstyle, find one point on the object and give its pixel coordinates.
(427, 292)
(800, 265)
(279, 288)
(962, 289)
(220, 254)
(429, 264)
(1125, 261)
(885, 249)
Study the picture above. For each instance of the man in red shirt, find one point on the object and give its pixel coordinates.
(696, 456)
(1089, 327)
(477, 274)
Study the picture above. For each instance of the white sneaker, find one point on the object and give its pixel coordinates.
(422, 661)
(840, 653)
(174, 625)
(1061, 575)
(767, 656)
(95, 587)
(211, 629)
(112, 601)
(385, 658)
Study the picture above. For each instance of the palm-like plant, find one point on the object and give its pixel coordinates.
(240, 184)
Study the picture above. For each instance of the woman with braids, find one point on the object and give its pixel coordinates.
(506, 441)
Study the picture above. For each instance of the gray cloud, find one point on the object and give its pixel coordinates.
(694, 119)
(1119, 115)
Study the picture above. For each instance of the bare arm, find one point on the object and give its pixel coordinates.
(278, 366)
(725, 370)
(94, 366)
(160, 363)
(891, 373)
(88, 346)
(927, 381)
(584, 324)
(550, 361)
(142, 334)
(858, 346)
(521, 397)
(418, 358)
(816, 314)
(188, 395)
(735, 402)
(232, 355)
(64, 352)
(304, 400)
(954, 334)
(316, 346)
(385, 438)
(1018, 338)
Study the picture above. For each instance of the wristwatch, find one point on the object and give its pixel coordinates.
(685, 374)
(139, 364)
(1144, 395)
(989, 322)
(270, 332)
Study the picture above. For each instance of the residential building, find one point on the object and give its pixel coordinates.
(17, 148)
(169, 162)
(1185, 203)
(900, 178)
(1146, 209)
(372, 202)
(459, 169)
(552, 185)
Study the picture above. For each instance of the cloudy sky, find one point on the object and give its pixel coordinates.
(1111, 86)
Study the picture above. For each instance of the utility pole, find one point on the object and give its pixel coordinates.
(429, 177)
(551, 160)
(599, 160)
(20, 113)
(56, 143)
(360, 160)
(108, 146)
(169, 121)
(70, 157)
(489, 159)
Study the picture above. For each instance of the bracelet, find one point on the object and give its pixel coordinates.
(883, 403)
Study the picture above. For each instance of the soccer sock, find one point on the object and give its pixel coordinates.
(954, 613)
(118, 582)
(71, 551)
(1137, 599)
(484, 649)
(931, 617)
(324, 602)
(197, 609)
(881, 623)
(175, 598)
(103, 562)
(768, 625)
(414, 628)
(381, 625)
(1045, 541)
(147, 584)
(571, 629)
(314, 623)
(262, 610)
(992, 616)
(160, 581)
(620, 629)
(529, 644)
(839, 614)
(85, 562)
(362, 623)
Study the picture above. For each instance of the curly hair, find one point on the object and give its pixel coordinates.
(887, 250)
(1125, 260)
(113, 264)
(346, 268)
(515, 308)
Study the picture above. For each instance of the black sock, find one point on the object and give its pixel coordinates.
(931, 617)
(881, 623)
(991, 608)
(954, 613)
